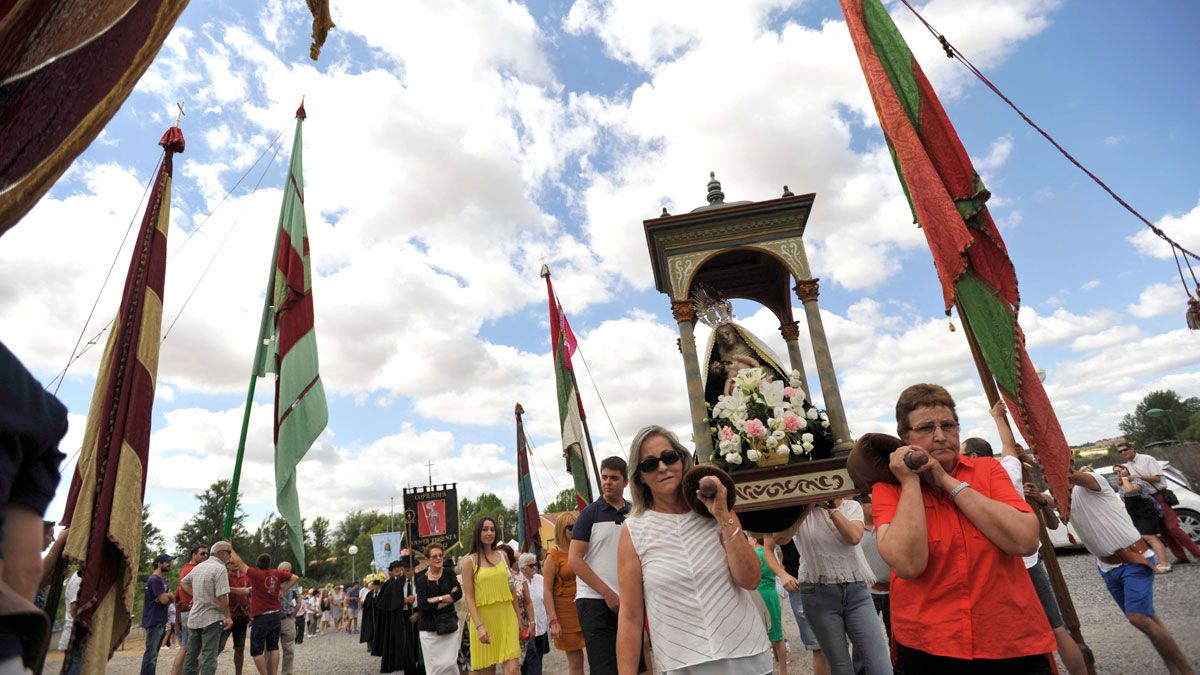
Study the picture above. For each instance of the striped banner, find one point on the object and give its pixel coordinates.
(104, 506)
(570, 408)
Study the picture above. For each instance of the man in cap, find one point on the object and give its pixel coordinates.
(154, 612)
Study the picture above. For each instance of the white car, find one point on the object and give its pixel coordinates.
(1188, 509)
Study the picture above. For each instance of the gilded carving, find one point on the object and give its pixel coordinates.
(790, 330)
(682, 268)
(807, 289)
(683, 310)
(791, 487)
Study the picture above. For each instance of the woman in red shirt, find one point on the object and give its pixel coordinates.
(953, 531)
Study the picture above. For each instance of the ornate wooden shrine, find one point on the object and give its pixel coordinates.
(753, 251)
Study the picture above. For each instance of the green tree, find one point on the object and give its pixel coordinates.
(356, 530)
(565, 501)
(319, 543)
(1141, 428)
(488, 504)
(207, 526)
(153, 542)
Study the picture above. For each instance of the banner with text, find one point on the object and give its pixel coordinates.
(431, 515)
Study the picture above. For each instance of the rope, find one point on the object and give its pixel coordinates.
(219, 246)
(72, 358)
(1179, 267)
(954, 53)
(229, 192)
(612, 426)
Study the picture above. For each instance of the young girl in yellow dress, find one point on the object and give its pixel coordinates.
(495, 626)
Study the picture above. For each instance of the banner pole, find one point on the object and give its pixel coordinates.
(231, 507)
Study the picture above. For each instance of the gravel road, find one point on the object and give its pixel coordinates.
(1118, 646)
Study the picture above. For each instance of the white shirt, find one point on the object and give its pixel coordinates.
(1100, 520)
(71, 594)
(1012, 465)
(827, 558)
(537, 593)
(1143, 466)
(209, 581)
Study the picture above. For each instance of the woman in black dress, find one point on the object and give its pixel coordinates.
(437, 592)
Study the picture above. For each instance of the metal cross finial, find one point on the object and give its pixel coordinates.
(178, 117)
(429, 466)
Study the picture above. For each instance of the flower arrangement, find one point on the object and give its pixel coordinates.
(766, 422)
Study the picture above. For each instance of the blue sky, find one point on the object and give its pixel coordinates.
(451, 145)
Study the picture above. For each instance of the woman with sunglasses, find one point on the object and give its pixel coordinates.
(691, 575)
(559, 592)
(437, 592)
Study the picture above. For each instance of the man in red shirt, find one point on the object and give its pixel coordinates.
(183, 606)
(953, 531)
(266, 587)
(239, 609)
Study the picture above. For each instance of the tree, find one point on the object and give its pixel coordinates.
(153, 542)
(319, 544)
(565, 501)
(207, 526)
(488, 504)
(1141, 428)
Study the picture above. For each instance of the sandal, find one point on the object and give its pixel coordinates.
(1162, 568)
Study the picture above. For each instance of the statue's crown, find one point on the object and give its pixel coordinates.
(711, 308)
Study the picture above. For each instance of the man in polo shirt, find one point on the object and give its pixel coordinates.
(266, 616)
(952, 531)
(208, 584)
(593, 556)
(1125, 563)
(1148, 469)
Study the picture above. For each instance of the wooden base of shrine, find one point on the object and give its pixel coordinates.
(770, 499)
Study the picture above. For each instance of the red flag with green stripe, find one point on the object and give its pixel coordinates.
(570, 408)
(528, 519)
(949, 202)
(288, 347)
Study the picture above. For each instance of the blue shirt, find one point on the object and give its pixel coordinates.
(154, 613)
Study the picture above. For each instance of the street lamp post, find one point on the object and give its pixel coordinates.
(1158, 412)
(353, 553)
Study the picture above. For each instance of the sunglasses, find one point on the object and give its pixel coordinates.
(651, 463)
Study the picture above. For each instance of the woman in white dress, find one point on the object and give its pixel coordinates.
(692, 575)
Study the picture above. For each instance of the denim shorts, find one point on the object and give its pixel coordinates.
(1132, 586)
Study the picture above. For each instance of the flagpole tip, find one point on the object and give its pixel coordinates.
(545, 273)
(518, 410)
(300, 113)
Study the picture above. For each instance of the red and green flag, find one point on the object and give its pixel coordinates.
(528, 518)
(570, 407)
(948, 200)
(104, 505)
(287, 346)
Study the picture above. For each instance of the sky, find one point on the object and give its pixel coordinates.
(451, 145)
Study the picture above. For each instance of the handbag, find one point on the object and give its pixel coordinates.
(1169, 497)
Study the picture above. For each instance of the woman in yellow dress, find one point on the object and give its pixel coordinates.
(495, 636)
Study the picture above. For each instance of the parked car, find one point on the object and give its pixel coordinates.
(1188, 509)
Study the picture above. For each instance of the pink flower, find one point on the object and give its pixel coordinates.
(725, 434)
(755, 429)
(792, 422)
(789, 392)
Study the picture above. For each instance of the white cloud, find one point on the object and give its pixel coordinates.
(997, 155)
(1090, 285)
(1112, 140)
(1106, 338)
(1182, 227)
(1158, 299)
(1061, 326)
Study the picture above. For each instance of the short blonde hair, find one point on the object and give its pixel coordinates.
(560, 528)
(641, 497)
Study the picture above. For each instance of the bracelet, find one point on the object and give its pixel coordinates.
(959, 488)
(735, 533)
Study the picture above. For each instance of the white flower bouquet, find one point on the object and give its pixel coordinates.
(765, 421)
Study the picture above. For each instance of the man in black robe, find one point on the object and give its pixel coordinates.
(397, 627)
(367, 630)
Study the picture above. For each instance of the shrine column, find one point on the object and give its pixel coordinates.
(791, 334)
(685, 316)
(806, 290)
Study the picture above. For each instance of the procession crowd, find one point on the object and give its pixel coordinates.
(936, 571)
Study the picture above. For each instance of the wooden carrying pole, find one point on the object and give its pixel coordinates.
(1065, 604)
